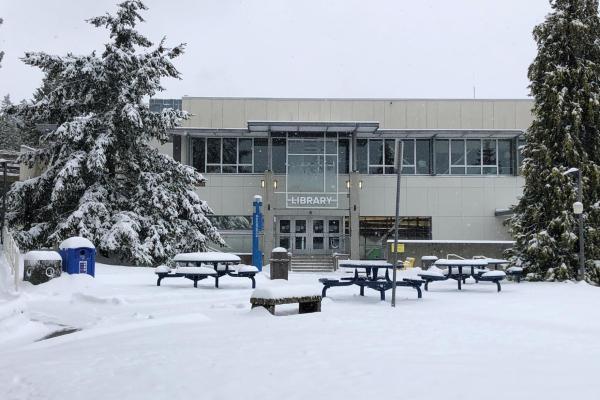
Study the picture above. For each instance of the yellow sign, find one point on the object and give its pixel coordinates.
(399, 248)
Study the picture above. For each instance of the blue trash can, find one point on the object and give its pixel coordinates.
(78, 256)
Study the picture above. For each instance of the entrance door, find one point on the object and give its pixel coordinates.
(314, 235)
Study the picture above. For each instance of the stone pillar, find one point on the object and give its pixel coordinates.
(268, 231)
(354, 215)
(185, 149)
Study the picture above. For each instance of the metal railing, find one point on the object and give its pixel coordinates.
(13, 256)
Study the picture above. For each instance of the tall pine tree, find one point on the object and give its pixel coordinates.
(565, 85)
(102, 179)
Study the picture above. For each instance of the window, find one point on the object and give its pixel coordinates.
(343, 156)
(213, 155)
(442, 153)
(199, 154)
(381, 156)
(279, 155)
(362, 156)
(505, 157)
(422, 155)
(261, 155)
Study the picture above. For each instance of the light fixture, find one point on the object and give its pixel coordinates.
(262, 183)
(274, 184)
(578, 208)
(360, 184)
(347, 184)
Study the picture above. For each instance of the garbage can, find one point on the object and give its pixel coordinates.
(428, 261)
(78, 256)
(280, 263)
(40, 266)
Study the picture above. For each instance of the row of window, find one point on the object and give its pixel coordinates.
(374, 156)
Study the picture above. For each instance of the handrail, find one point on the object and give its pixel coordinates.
(455, 256)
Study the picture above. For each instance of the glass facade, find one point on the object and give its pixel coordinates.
(439, 156)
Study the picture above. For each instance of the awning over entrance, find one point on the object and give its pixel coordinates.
(314, 126)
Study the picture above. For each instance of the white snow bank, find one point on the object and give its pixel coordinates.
(286, 290)
(209, 256)
(42, 255)
(196, 270)
(76, 242)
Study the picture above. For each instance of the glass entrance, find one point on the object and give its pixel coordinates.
(316, 235)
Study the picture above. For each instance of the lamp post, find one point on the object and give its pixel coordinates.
(578, 210)
(399, 155)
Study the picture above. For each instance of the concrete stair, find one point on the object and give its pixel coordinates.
(312, 263)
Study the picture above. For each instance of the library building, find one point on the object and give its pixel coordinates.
(325, 169)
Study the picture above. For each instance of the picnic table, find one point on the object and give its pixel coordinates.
(459, 264)
(201, 265)
(372, 279)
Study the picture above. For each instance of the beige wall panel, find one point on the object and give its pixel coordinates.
(449, 115)
(471, 115)
(524, 116)
(313, 110)
(488, 115)
(234, 113)
(432, 114)
(504, 115)
(216, 119)
(379, 111)
(282, 110)
(416, 114)
(341, 110)
(256, 110)
(395, 115)
(202, 110)
(363, 110)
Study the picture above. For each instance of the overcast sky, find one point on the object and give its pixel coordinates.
(301, 48)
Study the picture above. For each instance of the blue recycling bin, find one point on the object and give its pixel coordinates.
(78, 256)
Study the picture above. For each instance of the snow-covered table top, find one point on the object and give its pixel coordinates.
(208, 257)
(42, 255)
(76, 242)
(364, 264)
(496, 261)
(429, 258)
(286, 291)
(461, 263)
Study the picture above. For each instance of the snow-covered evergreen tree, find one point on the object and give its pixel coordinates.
(9, 136)
(103, 180)
(565, 84)
(1, 52)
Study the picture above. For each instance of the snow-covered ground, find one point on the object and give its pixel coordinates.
(140, 341)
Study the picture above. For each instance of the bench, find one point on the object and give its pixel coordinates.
(192, 273)
(515, 272)
(307, 297)
(492, 276)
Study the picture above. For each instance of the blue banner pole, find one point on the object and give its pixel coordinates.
(257, 227)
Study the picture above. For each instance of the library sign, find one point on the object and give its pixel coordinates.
(312, 200)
